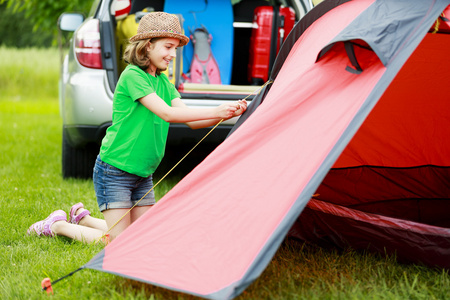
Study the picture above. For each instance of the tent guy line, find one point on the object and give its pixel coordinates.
(46, 283)
(105, 237)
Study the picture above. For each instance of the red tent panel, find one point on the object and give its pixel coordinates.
(391, 185)
(405, 127)
(401, 152)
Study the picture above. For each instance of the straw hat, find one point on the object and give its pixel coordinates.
(160, 24)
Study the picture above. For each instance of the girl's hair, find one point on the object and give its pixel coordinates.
(136, 54)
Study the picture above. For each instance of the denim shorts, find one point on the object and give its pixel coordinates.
(115, 188)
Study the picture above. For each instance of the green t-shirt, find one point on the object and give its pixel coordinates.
(136, 140)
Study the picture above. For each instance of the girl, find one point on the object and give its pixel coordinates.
(145, 102)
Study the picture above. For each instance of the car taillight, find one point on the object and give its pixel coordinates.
(87, 45)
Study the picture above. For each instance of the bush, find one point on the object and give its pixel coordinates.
(17, 31)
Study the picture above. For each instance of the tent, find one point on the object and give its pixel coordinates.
(357, 115)
(391, 183)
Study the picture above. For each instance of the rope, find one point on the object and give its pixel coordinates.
(438, 23)
(47, 284)
(105, 236)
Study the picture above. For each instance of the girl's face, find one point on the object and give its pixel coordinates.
(161, 52)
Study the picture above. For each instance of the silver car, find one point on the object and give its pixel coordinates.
(237, 37)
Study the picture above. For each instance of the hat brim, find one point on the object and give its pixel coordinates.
(149, 35)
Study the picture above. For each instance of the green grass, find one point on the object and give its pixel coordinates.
(26, 73)
(31, 186)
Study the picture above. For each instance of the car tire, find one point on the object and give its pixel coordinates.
(77, 162)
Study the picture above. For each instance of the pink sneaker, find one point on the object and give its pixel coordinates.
(75, 219)
(44, 227)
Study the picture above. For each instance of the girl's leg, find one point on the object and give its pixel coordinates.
(92, 229)
(112, 216)
(95, 223)
(92, 222)
(138, 211)
(77, 232)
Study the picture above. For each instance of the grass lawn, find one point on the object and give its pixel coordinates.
(31, 186)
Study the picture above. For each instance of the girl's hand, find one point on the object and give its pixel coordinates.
(241, 109)
(226, 110)
(230, 110)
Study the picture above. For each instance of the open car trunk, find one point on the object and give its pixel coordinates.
(240, 36)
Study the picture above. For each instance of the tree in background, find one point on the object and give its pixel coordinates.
(26, 23)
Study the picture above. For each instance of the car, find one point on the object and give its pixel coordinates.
(242, 37)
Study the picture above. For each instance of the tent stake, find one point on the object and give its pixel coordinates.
(47, 284)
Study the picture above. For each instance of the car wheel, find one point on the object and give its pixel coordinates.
(77, 162)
